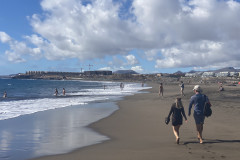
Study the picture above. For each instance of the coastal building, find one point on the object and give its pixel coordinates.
(191, 75)
(208, 74)
(50, 73)
(223, 74)
(233, 74)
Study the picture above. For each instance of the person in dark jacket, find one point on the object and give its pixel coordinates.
(177, 112)
(160, 90)
(198, 100)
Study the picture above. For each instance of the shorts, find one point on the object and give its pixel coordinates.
(199, 119)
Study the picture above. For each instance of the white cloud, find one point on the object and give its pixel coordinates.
(182, 33)
(18, 49)
(131, 59)
(105, 68)
(151, 54)
(14, 57)
(84, 32)
(4, 38)
(199, 54)
(137, 69)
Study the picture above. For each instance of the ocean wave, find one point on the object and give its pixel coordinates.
(14, 108)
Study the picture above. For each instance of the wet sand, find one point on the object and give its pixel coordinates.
(53, 131)
(138, 132)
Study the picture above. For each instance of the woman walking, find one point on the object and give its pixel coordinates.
(177, 112)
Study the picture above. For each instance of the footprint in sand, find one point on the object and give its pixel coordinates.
(223, 157)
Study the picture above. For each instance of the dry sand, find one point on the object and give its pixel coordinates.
(138, 132)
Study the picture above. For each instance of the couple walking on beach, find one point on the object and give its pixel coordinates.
(177, 112)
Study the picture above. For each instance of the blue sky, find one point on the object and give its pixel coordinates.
(151, 36)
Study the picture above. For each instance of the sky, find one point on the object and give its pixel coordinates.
(153, 36)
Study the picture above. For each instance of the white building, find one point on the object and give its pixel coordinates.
(208, 74)
(233, 74)
(190, 75)
(223, 74)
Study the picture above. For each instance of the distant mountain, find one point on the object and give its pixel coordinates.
(5, 76)
(226, 69)
(192, 71)
(125, 72)
(178, 72)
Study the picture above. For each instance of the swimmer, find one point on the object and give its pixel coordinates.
(64, 92)
(56, 92)
(5, 94)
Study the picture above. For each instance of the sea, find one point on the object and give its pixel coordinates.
(35, 122)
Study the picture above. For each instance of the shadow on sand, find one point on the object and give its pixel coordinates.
(212, 141)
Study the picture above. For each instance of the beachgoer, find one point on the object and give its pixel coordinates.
(121, 86)
(160, 89)
(142, 84)
(5, 94)
(220, 88)
(64, 92)
(198, 100)
(182, 88)
(177, 112)
(56, 92)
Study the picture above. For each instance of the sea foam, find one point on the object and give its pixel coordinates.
(15, 108)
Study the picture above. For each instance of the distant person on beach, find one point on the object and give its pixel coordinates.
(64, 92)
(56, 92)
(177, 112)
(198, 100)
(160, 89)
(142, 84)
(182, 88)
(220, 88)
(5, 94)
(121, 86)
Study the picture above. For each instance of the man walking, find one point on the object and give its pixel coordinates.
(198, 100)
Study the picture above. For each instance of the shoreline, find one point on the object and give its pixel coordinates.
(51, 132)
(137, 130)
(40, 130)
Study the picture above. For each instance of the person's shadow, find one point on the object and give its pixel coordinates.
(212, 141)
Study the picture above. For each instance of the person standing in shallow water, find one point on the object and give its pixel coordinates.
(160, 89)
(198, 100)
(5, 94)
(64, 92)
(121, 86)
(56, 92)
(177, 112)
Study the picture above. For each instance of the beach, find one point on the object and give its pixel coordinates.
(34, 123)
(137, 130)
